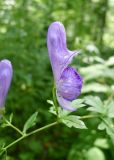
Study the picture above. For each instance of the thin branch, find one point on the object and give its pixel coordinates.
(28, 134)
(12, 126)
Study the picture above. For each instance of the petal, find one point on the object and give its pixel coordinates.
(70, 84)
(5, 79)
(65, 104)
(60, 56)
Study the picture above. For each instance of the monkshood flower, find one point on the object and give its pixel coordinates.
(5, 80)
(68, 80)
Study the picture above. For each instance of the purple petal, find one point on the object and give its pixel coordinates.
(5, 79)
(60, 56)
(68, 81)
(70, 84)
(65, 104)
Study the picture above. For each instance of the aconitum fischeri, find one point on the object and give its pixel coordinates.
(68, 80)
(5, 80)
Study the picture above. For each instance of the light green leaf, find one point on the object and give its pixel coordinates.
(110, 61)
(107, 124)
(50, 102)
(30, 122)
(11, 117)
(78, 103)
(102, 143)
(95, 153)
(111, 110)
(52, 110)
(96, 87)
(95, 103)
(74, 121)
(101, 126)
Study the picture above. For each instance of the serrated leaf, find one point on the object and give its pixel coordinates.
(74, 121)
(63, 113)
(78, 103)
(92, 109)
(96, 87)
(107, 124)
(95, 103)
(30, 122)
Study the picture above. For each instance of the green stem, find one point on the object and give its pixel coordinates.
(14, 142)
(54, 99)
(89, 116)
(12, 126)
(111, 128)
(95, 116)
(28, 134)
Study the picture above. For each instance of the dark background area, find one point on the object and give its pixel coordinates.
(23, 29)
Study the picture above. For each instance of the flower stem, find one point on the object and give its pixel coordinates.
(12, 126)
(55, 100)
(28, 134)
(89, 116)
(108, 125)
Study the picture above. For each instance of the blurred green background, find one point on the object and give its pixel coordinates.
(23, 28)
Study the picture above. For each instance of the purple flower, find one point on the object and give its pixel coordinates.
(5, 80)
(68, 81)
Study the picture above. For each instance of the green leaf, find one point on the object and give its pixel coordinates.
(74, 121)
(63, 113)
(95, 153)
(102, 143)
(101, 126)
(110, 61)
(52, 110)
(50, 102)
(96, 87)
(78, 103)
(108, 125)
(11, 117)
(30, 122)
(111, 110)
(95, 103)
